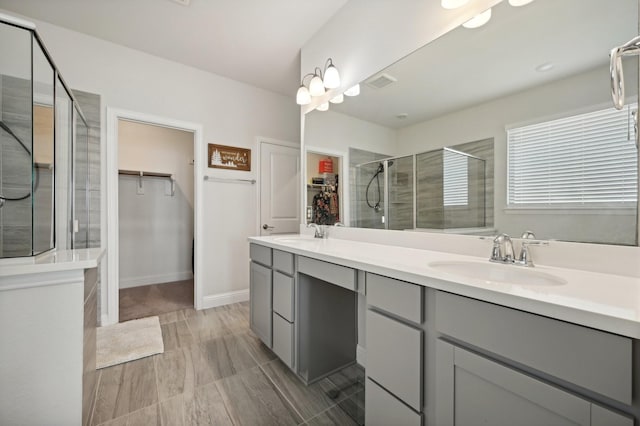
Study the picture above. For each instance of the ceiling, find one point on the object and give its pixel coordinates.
(467, 67)
(253, 41)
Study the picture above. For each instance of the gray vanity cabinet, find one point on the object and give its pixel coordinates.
(474, 390)
(500, 366)
(284, 307)
(395, 351)
(260, 293)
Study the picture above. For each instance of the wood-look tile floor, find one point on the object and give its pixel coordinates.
(155, 299)
(216, 371)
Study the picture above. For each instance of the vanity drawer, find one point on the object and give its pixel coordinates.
(260, 254)
(397, 297)
(283, 291)
(329, 272)
(283, 261)
(592, 359)
(283, 339)
(382, 408)
(394, 357)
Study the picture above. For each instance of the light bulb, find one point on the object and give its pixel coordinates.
(478, 20)
(518, 3)
(323, 106)
(353, 91)
(303, 97)
(331, 77)
(316, 86)
(338, 99)
(453, 4)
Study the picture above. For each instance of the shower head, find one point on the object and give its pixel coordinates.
(381, 166)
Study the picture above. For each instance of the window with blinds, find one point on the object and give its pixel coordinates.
(456, 179)
(584, 160)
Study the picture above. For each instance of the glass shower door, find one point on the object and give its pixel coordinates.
(400, 172)
(81, 182)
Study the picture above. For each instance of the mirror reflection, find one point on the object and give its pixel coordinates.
(504, 128)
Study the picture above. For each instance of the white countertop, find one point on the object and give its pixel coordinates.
(602, 301)
(51, 261)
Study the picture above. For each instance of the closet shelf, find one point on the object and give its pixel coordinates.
(140, 174)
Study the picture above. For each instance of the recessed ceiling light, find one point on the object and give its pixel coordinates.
(402, 116)
(544, 67)
(453, 4)
(182, 2)
(478, 20)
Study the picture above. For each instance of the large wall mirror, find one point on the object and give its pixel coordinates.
(508, 127)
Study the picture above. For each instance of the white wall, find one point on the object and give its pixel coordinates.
(366, 36)
(155, 228)
(488, 120)
(230, 112)
(338, 132)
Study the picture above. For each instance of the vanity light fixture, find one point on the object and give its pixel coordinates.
(478, 20)
(518, 3)
(547, 66)
(353, 91)
(338, 99)
(329, 79)
(323, 106)
(453, 4)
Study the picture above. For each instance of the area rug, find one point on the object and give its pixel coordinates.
(128, 341)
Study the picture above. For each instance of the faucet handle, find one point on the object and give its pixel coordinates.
(528, 235)
(525, 256)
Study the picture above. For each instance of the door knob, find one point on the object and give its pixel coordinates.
(265, 227)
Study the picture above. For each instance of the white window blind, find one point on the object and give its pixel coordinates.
(456, 179)
(586, 159)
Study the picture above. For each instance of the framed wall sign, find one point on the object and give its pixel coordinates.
(229, 157)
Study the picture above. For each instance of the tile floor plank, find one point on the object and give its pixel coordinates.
(252, 399)
(307, 400)
(125, 388)
(205, 407)
(176, 335)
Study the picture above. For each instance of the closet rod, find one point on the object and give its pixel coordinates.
(227, 180)
(140, 174)
(143, 174)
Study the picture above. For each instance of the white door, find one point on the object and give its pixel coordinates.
(279, 189)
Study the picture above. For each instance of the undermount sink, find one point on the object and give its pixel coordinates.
(498, 273)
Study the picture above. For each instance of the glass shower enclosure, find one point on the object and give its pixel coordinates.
(43, 140)
(437, 190)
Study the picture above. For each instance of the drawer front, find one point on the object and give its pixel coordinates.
(283, 292)
(283, 261)
(283, 339)
(394, 357)
(398, 297)
(329, 272)
(260, 254)
(382, 408)
(593, 359)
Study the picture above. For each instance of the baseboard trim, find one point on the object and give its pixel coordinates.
(221, 299)
(155, 279)
(361, 355)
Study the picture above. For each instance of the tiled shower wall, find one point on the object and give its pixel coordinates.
(431, 213)
(15, 167)
(90, 105)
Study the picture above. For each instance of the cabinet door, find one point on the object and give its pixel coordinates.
(474, 390)
(260, 297)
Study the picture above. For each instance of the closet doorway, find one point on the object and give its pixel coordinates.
(155, 216)
(152, 213)
(324, 189)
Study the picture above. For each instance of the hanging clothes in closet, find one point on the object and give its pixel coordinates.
(326, 207)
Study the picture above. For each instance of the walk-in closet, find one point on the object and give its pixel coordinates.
(155, 219)
(323, 189)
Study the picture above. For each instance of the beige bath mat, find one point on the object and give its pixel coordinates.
(127, 341)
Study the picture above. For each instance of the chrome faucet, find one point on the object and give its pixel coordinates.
(502, 251)
(320, 230)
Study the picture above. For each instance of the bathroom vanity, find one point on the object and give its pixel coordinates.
(450, 341)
